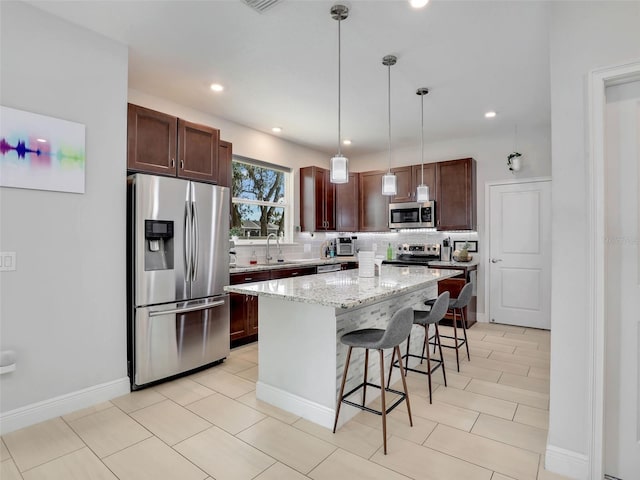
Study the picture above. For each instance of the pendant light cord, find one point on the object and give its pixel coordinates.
(339, 63)
(389, 101)
(422, 137)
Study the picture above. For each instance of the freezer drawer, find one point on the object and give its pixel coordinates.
(175, 338)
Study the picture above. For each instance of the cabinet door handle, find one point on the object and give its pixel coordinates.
(248, 279)
(293, 274)
(182, 164)
(173, 162)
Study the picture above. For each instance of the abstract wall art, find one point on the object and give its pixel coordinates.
(40, 152)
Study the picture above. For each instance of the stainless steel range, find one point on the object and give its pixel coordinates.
(416, 254)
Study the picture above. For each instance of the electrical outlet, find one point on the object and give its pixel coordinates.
(7, 261)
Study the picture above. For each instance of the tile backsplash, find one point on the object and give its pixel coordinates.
(307, 245)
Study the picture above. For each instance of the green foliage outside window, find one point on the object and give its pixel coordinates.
(259, 201)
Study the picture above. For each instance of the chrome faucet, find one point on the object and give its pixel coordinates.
(271, 235)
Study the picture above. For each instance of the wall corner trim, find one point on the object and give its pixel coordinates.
(566, 462)
(54, 407)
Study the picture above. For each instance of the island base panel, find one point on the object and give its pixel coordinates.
(301, 359)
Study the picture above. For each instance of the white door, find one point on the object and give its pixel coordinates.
(520, 254)
(622, 281)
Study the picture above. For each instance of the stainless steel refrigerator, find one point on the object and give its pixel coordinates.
(178, 264)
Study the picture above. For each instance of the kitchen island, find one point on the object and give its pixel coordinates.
(302, 319)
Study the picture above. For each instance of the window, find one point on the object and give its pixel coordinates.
(261, 202)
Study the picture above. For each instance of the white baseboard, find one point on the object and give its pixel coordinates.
(312, 411)
(481, 317)
(62, 405)
(566, 462)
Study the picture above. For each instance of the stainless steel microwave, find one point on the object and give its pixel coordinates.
(412, 215)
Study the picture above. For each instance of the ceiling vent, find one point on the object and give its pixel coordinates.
(261, 6)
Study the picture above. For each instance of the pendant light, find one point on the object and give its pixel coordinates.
(389, 185)
(339, 163)
(422, 192)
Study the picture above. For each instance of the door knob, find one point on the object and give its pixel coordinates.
(496, 260)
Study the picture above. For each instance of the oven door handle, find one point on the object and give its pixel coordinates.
(195, 308)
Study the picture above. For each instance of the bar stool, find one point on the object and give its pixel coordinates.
(375, 338)
(459, 303)
(424, 319)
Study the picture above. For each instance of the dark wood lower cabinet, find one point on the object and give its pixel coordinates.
(243, 318)
(244, 308)
(453, 286)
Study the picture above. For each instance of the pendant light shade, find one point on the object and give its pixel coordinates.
(339, 163)
(389, 183)
(339, 169)
(422, 192)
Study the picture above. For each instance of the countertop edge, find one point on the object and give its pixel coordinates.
(245, 289)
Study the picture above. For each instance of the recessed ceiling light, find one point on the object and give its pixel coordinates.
(216, 87)
(490, 114)
(276, 129)
(41, 140)
(418, 3)
(346, 142)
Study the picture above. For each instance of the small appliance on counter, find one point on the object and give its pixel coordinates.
(446, 250)
(345, 246)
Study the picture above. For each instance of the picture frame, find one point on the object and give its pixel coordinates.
(39, 152)
(459, 244)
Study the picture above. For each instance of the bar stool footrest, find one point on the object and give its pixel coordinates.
(461, 341)
(372, 410)
(438, 362)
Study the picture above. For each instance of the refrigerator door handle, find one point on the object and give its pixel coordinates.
(187, 240)
(195, 308)
(195, 244)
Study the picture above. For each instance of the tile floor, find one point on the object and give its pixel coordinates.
(489, 423)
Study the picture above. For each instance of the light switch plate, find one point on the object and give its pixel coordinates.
(7, 261)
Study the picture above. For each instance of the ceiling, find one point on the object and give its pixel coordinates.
(279, 68)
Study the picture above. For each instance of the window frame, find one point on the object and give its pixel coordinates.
(287, 205)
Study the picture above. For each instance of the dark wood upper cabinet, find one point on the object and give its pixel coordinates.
(163, 144)
(225, 171)
(456, 194)
(429, 179)
(404, 185)
(409, 177)
(317, 200)
(151, 141)
(347, 200)
(198, 151)
(374, 207)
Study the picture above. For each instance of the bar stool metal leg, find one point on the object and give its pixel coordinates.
(444, 375)
(344, 380)
(455, 336)
(426, 339)
(382, 399)
(403, 374)
(464, 329)
(366, 367)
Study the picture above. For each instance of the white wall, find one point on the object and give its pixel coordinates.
(584, 36)
(490, 153)
(63, 309)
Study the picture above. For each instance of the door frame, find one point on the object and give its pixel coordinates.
(599, 80)
(487, 230)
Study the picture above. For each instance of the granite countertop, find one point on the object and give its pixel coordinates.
(345, 289)
(473, 263)
(302, 262)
